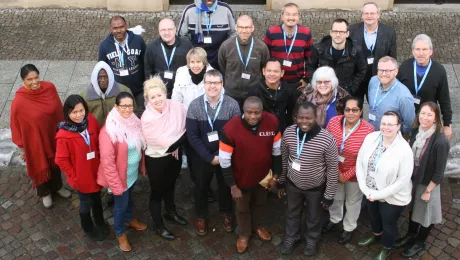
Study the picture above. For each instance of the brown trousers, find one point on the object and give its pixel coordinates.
(52, 185)
(249, 210)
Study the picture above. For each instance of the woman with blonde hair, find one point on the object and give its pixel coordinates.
(163, 126)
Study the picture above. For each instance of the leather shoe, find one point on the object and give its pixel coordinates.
(328, 226)
(164, 233)
(176, 219)
(310, 249)
(287, 247)
(404, 241)
(383, 254)
(200, 227)
(345, 237)
(263, 234)
(137, 225)
(242, 244)
(369, 240)
(413, 250)
(123, 243)
(227, 222)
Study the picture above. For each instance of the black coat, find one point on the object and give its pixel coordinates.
(433, 161)
(350, 68)
(385, 44)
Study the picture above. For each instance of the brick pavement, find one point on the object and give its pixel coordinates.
(75, 34)
(29, 231)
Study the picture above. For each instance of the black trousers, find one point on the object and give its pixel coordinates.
(162, 173)
(295, 200)
(204, 174)
(418, 231)
(384, 218)
(90, 203)
(54, 184)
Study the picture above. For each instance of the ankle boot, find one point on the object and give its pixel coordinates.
(88, 227)
(412, 250)
(383, 254)
(404, 241)
(162, 231)
(123, 243)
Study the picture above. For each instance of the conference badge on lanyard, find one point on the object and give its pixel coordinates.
(91, 154)
(245, 75)
(124, 49)
(417, 87)
(208, 39)
(287, 62)
(296, 163)
(168, 74)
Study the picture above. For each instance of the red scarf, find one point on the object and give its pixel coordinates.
(35, 115)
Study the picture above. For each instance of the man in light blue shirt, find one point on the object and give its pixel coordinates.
(388, 93)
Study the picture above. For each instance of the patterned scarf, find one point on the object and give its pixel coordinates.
(322, 102)
(74, 127)
(202, 7)
(420, 140)
(122, 129)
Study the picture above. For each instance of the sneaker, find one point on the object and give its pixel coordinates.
(47, 201)
(64, 193)
(287, 247)
(310, 249)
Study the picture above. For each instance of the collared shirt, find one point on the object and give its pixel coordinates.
(370, 37)
(399, 100)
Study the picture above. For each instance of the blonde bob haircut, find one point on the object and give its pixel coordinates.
(197, 53)
(153, 83)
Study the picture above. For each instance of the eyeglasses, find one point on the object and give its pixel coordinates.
(325, 82)
(339, 32)
(130, 107)
(385, 71)
(353, 110)
(212, 83)
(244, 28)
(369, 14)
(387, 124)
(167, 30)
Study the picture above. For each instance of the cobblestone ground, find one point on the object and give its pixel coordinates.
(75, 34)
(29, 231)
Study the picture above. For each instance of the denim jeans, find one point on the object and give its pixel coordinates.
(384, 218)
(122, 211)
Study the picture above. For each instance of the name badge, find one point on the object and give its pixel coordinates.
(296, 165)
(372, 117)
(341, 159)
(287, 63)
(207, 39)
(417, 100)
(245, 75)
(213, 136)
(370, 60)
(169, 74)
(124, 73)
(90, 155)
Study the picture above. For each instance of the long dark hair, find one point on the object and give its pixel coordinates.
(69, 106)
(437, 115)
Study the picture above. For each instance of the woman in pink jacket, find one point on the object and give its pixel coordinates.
(122, 158)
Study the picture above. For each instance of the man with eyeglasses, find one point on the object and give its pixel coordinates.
(291, 43)
(376, 39)
(427, 80)
(340, 53)
(241, 59)
(387, 93)
(208, 23)
(166, 54)
(206, 117)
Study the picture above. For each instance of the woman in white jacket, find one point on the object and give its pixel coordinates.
(189, 78)
(384, 169)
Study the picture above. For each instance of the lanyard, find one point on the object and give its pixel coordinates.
(87, 138)
(249, 53)
(379, 152)
(300, 145)
(292, 42)
(366, 39)
(124, 47)
(418, 87)
(208, 22)
(330, 51)
(166, 57)
(211, 122)
(376, 104)
(345, 137)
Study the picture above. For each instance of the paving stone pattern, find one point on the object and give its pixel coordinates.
(75, 34)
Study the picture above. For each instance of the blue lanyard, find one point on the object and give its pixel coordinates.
(166, 57)
(376, 104)
(332, 102)
(211, 122)
(379, 152)
(345, 137)
(300, 145)
(418, 87)
(366, 39)
(330, 51)
(292, 42)
(120, 53)
(249, 53)
(208, 23)
(87, 138)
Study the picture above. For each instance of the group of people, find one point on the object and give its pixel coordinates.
(279, 114)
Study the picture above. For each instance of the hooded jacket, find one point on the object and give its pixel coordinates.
(100, 103)
(133, 60)
(350, 68)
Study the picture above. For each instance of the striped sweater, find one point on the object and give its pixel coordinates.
(318, 160)
(301, 51)
(352, 144)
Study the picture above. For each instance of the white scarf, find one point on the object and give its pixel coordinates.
(420, 140)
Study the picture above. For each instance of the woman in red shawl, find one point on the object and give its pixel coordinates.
(36, 111)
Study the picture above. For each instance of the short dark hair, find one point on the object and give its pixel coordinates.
(253, 100)
(393, 113)
(306, 105)
(123, 95)
(70, 103)
(352, 98)
(437, 117)
(273, 60)
(340, 20)
(117, 17)
(28, 68)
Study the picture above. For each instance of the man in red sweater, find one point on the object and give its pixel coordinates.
(254, 133)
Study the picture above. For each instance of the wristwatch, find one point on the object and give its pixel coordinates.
(427, 191)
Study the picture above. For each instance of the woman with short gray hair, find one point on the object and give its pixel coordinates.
(325, 93)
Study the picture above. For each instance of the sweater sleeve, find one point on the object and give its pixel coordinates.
(307, 55)
(331, 157)
(285, 162)
(312, 63)
(443, 98)
(407, 113)
(177, 90)
(194, 135)
(231, 24)
(221, 59)
(442, 154)
(267, 40)
(62, 158)
(182, 31)
(276, 154)
(101, 54)
(225, 158)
